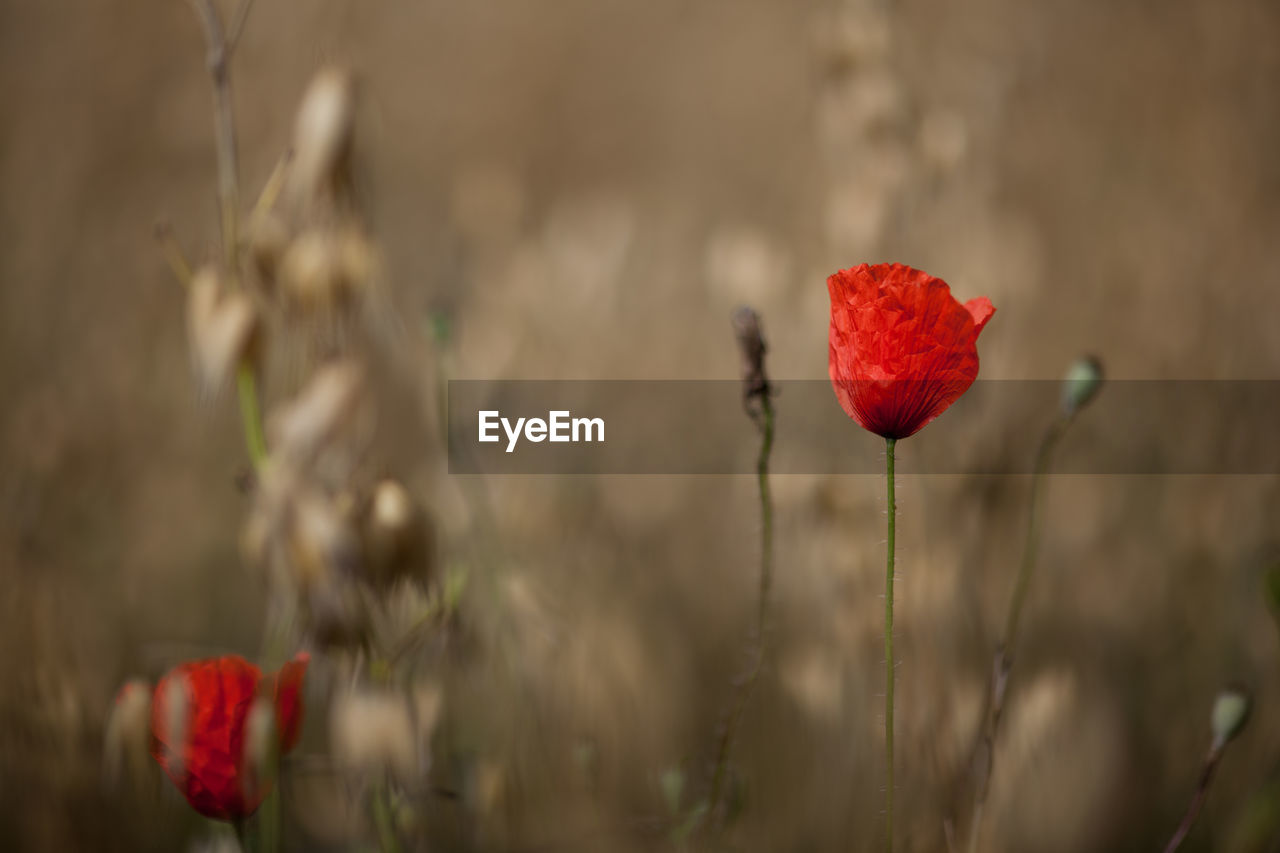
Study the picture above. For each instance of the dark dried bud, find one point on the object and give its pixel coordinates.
(751, 345)
(397, 536)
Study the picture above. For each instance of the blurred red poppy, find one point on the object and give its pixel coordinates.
(199, 713)
(901, 348)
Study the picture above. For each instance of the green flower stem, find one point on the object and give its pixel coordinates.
(1004, 652)
(1027, 567)
(762, 609)
(384, 819)
(251, 416)
(243, 836)
(888, 648)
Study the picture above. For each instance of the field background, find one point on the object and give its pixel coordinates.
(586, 189)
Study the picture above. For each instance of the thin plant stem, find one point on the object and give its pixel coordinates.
(889, 444)
(219, 60)
(238, 22)
(272, 188)
(243, 836)
(219, 49)
(173, 253)
(384, 820)
(1003, 662)
(725, 745)
(1197, 799)
(251, 415)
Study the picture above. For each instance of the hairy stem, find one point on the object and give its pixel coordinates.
(725, 745)
(889, 444)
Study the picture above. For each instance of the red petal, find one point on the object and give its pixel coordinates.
(901, 348)
(287, 693)
(981, 309)
(219, 693)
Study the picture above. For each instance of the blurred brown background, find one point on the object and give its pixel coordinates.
(586, 188)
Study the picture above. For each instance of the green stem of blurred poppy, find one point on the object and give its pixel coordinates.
(889, 444)
(384, 820)
(762, 609)
(243, 836)
(1004, 653)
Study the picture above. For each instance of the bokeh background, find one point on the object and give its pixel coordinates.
(586, 189)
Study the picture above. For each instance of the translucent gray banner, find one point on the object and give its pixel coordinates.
(700, 427)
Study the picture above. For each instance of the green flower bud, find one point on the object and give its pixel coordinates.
(1230, 713)
(1081, 384)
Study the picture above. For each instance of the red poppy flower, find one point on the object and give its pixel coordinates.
(902, 349)
(199, 713)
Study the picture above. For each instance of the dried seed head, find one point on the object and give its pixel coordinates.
(322, 544)
(128, 732)
(372, 732)
(322, 136)
(336, 615)
(312, 273)
(396, 535)
(752, 348)
(359, 261)
(305, 425)
(222, 326)
(261, 748)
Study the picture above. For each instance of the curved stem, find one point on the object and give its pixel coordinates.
(1027, 566)
(1197, 800)
(1003, 661)
(888, 648)
(725, 745)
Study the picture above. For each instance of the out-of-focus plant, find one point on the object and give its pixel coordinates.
(1230, 713)
(757, 400)
(1079, 387)
(346, 558)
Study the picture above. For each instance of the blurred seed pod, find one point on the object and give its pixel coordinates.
(322, 544)
(359, 260)
(268, 238)
(222, 327)
(127, 739)
(329, 270)
(1081, 384)
(336, 615)
(372, 732)
(302, 427)
(1230, 713)
(397, 536)
(261, 748)
(322, 137)
(312, 272)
